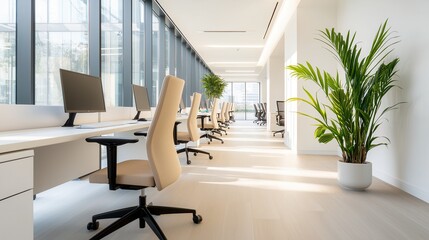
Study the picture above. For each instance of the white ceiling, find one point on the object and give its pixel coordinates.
(229, 54)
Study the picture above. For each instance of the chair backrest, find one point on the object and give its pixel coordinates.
(281, 109)
(228, 110)
(193, 130)
(222, 112)
(214, 113)
(256, 110)
(161, 150)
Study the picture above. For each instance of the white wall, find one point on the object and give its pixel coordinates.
(313, 16)
(275, 84)
(404, 163)
(290, 87)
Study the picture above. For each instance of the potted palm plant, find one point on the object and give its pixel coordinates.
(213, 86)
(352, 114)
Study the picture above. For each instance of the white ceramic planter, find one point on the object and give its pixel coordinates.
(354, 176)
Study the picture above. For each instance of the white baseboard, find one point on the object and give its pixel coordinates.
(406, 187)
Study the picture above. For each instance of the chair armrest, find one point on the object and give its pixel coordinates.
(176, 142)
(111, 144)
(141, 133)
(202, 117)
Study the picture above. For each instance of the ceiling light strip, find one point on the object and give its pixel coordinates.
(269, 23)
(224, 31)
(286, 11)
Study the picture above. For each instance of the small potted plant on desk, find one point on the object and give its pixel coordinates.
(354, 101)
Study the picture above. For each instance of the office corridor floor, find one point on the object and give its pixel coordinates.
(254, 188)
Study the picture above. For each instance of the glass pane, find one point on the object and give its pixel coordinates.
(7, 51)
(239, 99)
(167, 51)
(138, 43)
(252, 96)
(155, 57)
(227, 93)
(112, 51)
(61, 41)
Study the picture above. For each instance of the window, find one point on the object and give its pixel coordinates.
(243, 95)
(167, 50)
(138, 43)
(155, 56)
(112, 51)
(61, 41)
(7, 51)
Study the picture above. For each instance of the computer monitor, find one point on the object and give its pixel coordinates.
(82, 93)
(141, 99)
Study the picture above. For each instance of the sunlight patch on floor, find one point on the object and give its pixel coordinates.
(296, 172)
(277, 185)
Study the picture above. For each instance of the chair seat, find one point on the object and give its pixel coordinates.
(130, 172)
(208, 125)
(183, 136)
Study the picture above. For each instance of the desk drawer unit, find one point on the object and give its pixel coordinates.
(16, 195)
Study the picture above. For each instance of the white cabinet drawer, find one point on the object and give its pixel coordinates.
(15, 176)
(16, 219)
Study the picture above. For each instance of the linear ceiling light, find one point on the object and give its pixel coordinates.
(218, 63)
(235, 46)
(239, 71)
(239, 75)
(224, 31)
(271, 19)
(285, 13)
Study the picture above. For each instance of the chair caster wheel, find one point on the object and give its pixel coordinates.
(195, 154)
(222, 142)
(197, 219)
(210, 157)
(208, 142)
(226, 133)
(92, 226)
(188, 162)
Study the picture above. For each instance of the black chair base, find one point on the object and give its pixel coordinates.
(195, 151)
(279, 131)
(142, 212)
(211, 137)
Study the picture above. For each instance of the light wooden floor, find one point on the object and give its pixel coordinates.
(254, 188)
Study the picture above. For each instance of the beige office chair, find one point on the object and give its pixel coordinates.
(221, 120)
(161, 170)
(210, 126)
(193, 133)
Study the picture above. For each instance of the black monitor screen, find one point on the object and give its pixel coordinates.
(141, 98)
(81, 92)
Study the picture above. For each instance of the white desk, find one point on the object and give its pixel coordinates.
(54, 155)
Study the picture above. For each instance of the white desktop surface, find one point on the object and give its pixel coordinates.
(60, 155)
(32, 138)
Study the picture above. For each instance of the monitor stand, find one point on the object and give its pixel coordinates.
(70, 121)
(137, 116)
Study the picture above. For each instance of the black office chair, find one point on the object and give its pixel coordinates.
(280, 117)
(257, 113)
(160, 170)
(263, 116)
